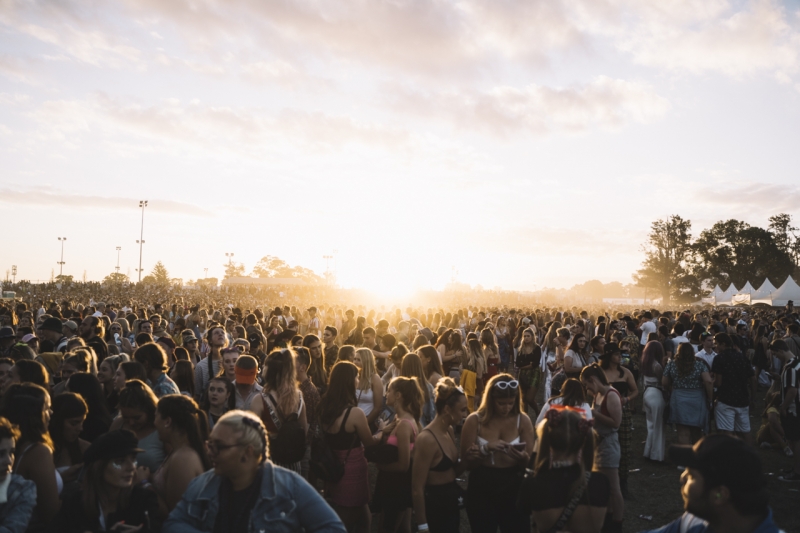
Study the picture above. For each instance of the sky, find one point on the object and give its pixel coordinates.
(514, 144)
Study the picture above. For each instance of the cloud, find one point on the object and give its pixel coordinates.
(752, 198)
(49, 197)
(536, 109)
(713, 37)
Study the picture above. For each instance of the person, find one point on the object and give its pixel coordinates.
(116, 336)
(717, 497)
(607, 413)
(317, 371)
(396, 361)
(182, 374)
(19, 494)
(691, 391)
(790, 414)
(98, 419)
(346, 432)
(411, 367)
(392, 497)
(208, 367)
(575, 358)
(734, 378)
(154, 361)
(105, 375)
(220, 397)
(623, 380)
(137, 414)
(528, 363)
(503, 437)
(473, 370)
(563, 472)
(92, 330)
(25, 371)
(490, 350)
(27, 406)
(655, 446)
(245, 371)
(244, 491)
(572, 395)
(127, 371)
(431, 363)
(183, 429)
(370, 387)
(65, 427)
(228, 367)
(108, 499)
(771, 435)
(434, 490)
(331, 349)
(707, 353)
(597, 345)
(279, 399)
(311, 398)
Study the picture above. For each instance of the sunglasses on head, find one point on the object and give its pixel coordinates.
(503, 385)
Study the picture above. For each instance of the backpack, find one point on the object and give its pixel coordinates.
(289, 445)
(324, 463)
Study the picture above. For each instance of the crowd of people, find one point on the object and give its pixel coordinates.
(147, 413)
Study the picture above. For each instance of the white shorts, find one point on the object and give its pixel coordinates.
(732, 418)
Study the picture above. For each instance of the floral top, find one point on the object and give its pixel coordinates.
(694, 380)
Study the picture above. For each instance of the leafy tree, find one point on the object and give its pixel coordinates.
(116, 277)
(786, 237)
(160, 274)
(735, 252)
(666, 264)
(207, 282)
(233, 270)
(273, 267)
(64, 278)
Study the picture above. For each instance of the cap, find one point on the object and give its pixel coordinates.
(188, 336)
(53, 324)
(112, 445)
(7, 332)
(71, 325)
(29, 337)
(714, 455)
(526, 320)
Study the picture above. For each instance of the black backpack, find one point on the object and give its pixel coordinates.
(289, 445)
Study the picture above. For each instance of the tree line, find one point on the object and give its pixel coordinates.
(681, 268)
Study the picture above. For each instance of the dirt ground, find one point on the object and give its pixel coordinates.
(654, 488)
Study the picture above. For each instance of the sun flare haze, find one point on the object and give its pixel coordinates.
(398, 145)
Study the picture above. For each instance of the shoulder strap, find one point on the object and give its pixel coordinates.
(435, 438)
(566, 514)
(274, 411)
(344, 420)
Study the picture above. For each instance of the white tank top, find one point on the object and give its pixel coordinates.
(365, 398)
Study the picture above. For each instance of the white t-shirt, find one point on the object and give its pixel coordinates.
(648, 327)
(557, 401)
(707, 357)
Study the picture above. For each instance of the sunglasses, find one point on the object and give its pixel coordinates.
(503, 385)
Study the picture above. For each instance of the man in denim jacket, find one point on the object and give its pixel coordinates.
(17, 494)
(247, 493)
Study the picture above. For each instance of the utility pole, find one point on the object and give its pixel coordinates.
(117, 267)
(140, 242)
(61, 263)
(230, 257)
(206, 271)
(14, 272)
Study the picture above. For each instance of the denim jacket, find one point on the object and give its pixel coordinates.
(689, 523)
(287, 503)
(21, 499)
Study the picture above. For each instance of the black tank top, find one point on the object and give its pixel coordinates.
(342, 440)
(446, 463)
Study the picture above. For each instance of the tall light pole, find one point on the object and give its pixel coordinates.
(61, 263)
(230, 257)
(14, 272)
(140, 242)
(118, 250)
(206, 271)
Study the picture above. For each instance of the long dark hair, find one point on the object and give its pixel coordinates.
(134, 370)
(92, 392)
(183, 375)
(341, 392)
(137, 395)
(189, 419)
(23, 405)
(94, 484)
(653, 353)
(65, 406)
(571, 393)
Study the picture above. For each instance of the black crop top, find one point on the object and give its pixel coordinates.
(342, 440)
(552, 488)
(446, 463)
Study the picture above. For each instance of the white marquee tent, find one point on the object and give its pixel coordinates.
(726, 297)
(744, 296)
(790, 290)
(764, 293)
(713, 298)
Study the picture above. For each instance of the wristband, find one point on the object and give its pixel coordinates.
(422, 527)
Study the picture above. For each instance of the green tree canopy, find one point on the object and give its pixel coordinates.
(274, 267)
(116, 277)
(735, 252)
(665, 268)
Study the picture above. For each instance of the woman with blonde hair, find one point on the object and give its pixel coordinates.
(431, 363)
(473, 372)
(279, 399)
(369, 392)
(551, 349)
(411, 367)
(503, 437)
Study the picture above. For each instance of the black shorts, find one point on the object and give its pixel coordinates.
(791, 427)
